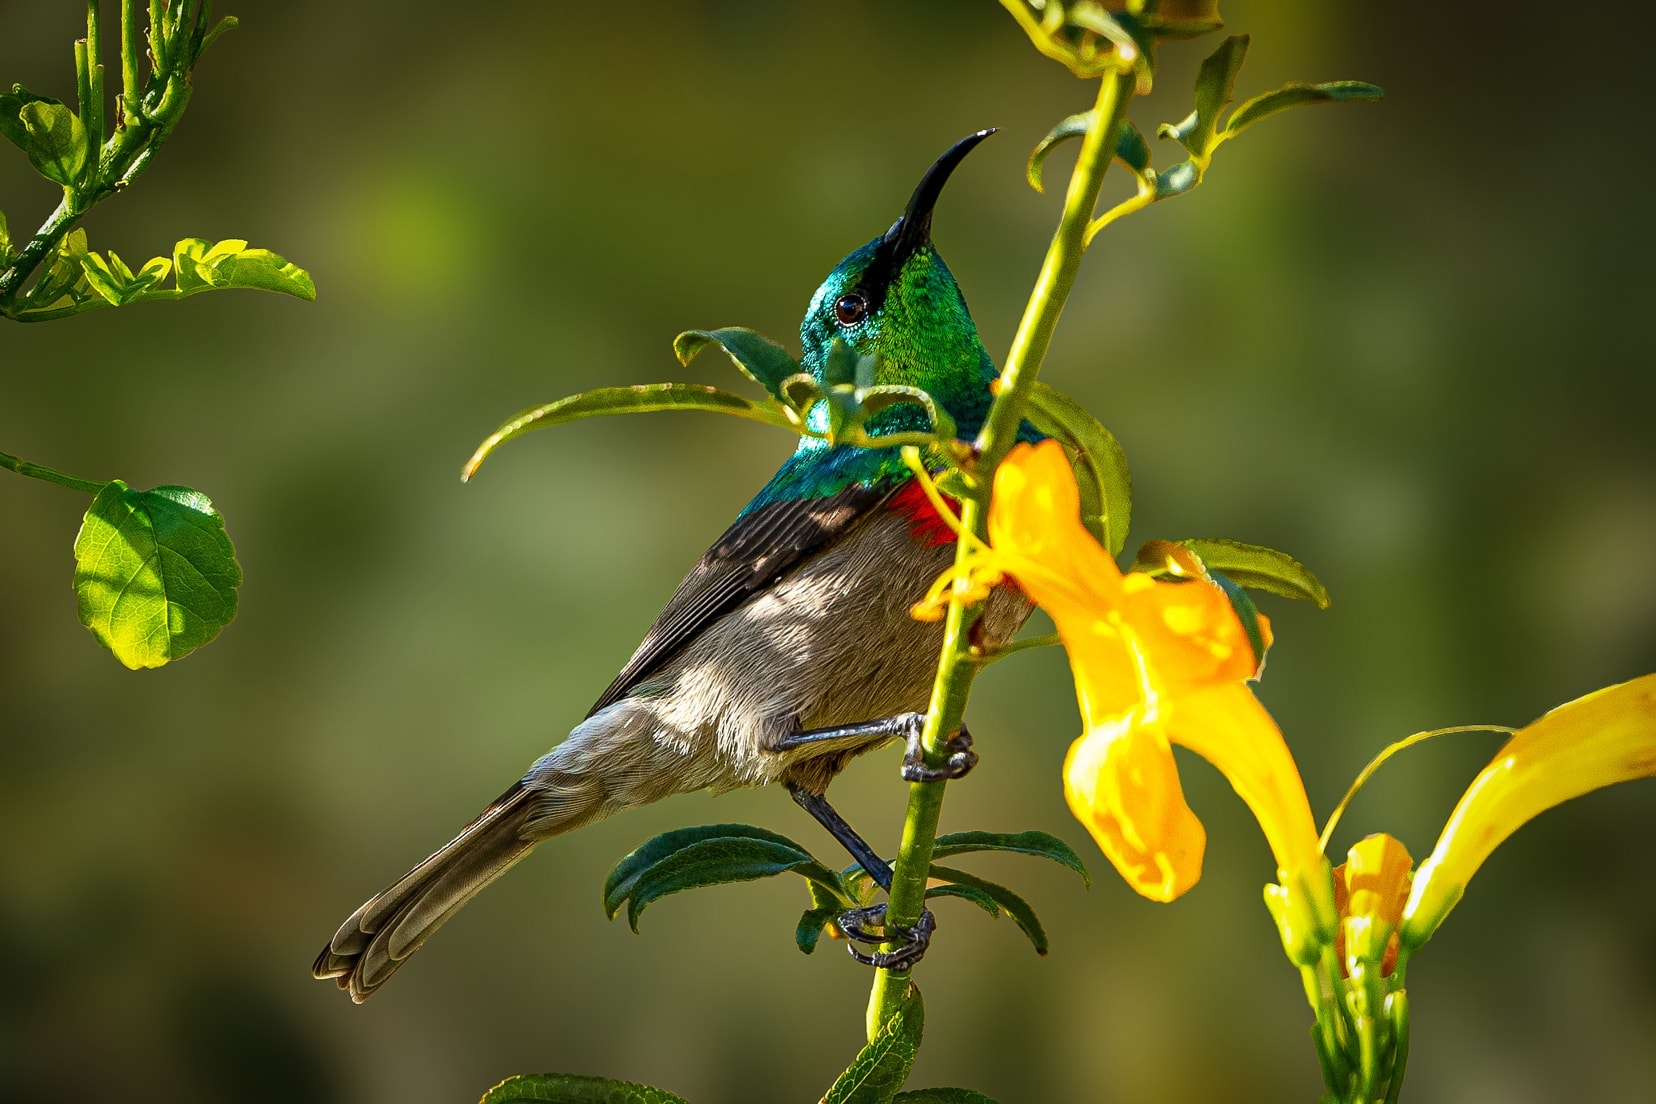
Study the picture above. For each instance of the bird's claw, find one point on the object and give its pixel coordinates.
(961, 758)
(856, 925)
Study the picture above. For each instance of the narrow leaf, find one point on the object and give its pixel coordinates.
(717, 862)
(979, 898)
(941, 1096)
(1247, 613)
(1214, 84)
(1261, 568)
(626, 873)
(882, 1066)
(569, 1088)
(639, 399)
(760, 359)
(155, 573)
(1296, 94)
(1100, 464)
(812, 924)
(1040, 844)
(1016, 907)
(1131, 148)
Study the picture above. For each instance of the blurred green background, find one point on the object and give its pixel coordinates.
(1407, 342)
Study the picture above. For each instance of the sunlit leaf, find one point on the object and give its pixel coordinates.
(155, 573)
(760, 359)
(1131, 148)
(639, 399)
(1214, 84)
(880, 1069)
(1260, 568)
(1015, 906)
(1040, 844)
(48, 132)
(1100, 464)
(1296, 94)
(625, 874)
(569, 1088)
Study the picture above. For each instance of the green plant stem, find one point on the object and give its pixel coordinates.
(130, 53)
(956, 666)
(50, 475)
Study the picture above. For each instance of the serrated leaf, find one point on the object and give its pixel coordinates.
(625, 874)
(758, 357)
(1016, 907)
(718, 862)
(979, 898)
(941, 1096)
(1260, 568)
(155, 573)
(1039, 844)
(48, 132)
(1215, 82)
(1100, 464)
(240, 267)
(638, 399)
(1298, 94)
(882, 1066)
(569, 1088)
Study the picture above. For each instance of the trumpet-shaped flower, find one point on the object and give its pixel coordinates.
(1606, 737)
(1155, 664)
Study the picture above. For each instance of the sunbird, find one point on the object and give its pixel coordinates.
(789, 648)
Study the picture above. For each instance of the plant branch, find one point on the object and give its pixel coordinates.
(50, 475)
(956, 665)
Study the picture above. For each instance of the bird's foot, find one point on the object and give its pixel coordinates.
(961, 758)
(858, 925)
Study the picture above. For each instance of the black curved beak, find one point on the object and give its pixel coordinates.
(912, 230)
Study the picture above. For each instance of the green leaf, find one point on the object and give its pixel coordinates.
(230, 264)
(624, 876)
(882, 1066)
(187, 254)
(1247, 613)
(979, 898)
(1015, 906)
(1296, 94)
(941, 1096)
(569, 1088)
(155, 573)
(1214, 84)
(1178, 179)
(813, 923)
(1100, 464)
(1131, 148)
(639, 399)
(1266, 569)
(1040, 844)
(760, 359)
(48, 132)
(717, 862)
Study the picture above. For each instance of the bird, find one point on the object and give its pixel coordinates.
(789, 648)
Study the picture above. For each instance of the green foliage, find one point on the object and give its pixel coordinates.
(1013, 905)
(1246, 612)
(1100, 464)
(155, 573)
(569, 1088)
(1131, 148)
(941, 1096)
(1297, 94)
(49, 134)
(714, 854)
(1261, 568)
(758, 357)
(1039, 844)
(882, 1066)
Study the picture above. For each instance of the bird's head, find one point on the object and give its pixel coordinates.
(895, 299)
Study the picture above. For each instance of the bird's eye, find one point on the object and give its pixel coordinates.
(851, 309)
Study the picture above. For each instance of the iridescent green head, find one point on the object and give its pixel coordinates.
(895, 299)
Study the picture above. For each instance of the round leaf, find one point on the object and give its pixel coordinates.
(155, 573)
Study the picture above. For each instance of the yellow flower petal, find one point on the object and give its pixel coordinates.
(1122, 783)
(1606, 737)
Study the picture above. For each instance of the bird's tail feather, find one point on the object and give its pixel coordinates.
(380, 935)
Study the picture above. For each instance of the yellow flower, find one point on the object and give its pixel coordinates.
(1156, 664)
(1370, 888)
(1606, 737)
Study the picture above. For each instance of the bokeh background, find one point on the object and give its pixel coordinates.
(1406, 341)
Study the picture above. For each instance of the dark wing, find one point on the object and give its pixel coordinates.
(755, 551)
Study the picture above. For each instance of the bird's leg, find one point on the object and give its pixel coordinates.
(857, 923)
(817, 805)
(909, 726)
